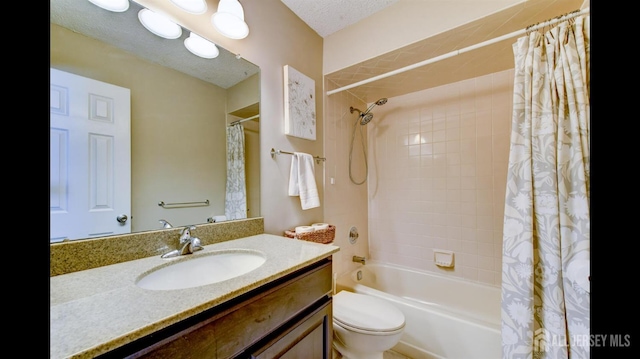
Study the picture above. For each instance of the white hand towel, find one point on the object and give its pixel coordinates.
(302, 180)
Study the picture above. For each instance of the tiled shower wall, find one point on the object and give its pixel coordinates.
(437, 175)
(345, 204)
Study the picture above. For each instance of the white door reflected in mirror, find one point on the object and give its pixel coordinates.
(90, 157)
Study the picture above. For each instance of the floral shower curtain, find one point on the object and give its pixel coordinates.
(235, 204)
(546, 240)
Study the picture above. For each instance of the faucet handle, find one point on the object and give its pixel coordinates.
(189, 227)
(195, 245)
(185, 234)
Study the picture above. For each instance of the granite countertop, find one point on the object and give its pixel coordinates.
(97, 310)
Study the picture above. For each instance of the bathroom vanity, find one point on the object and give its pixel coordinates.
(282, 307)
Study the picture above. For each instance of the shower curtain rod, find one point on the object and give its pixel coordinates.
(243, 120)
(463, 50)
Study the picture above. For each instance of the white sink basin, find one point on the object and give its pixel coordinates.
(202, 269)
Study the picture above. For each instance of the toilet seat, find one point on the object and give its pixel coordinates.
(366, 314)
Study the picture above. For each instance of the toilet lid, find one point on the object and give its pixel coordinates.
(366, 312)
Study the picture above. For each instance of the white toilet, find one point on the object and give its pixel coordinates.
(365, 326)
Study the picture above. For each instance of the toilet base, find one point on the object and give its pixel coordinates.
(350, 354)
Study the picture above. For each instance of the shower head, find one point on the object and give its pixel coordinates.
(367, 116)
(380, 102)
(364, 117)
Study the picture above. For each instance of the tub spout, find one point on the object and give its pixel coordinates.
(359, 259)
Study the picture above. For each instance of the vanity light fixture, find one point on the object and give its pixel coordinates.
(159, 24)
(191, 6)
(229, 20)
(201, 47)
(112, 5)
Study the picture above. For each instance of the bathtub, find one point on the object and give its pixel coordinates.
(446, 318)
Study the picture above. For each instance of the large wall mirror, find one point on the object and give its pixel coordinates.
(181, 108)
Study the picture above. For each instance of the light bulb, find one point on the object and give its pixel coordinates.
(112, 5)
(229, 20)
(201, 47)
(159, 24)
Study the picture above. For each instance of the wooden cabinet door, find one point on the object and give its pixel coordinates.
(309, 338)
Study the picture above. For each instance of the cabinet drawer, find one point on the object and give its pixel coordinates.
(309, 337)
(229, 332)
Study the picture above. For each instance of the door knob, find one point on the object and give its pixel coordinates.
(122, 218)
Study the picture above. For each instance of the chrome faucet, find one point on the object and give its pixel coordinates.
(165, 223)
(359, 259)
(187, 244)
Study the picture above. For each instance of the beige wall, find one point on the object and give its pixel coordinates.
(244, 94)
(438, 159)
(252, 168)
(401, 24)
(277, 37)
(160, 138)
(345, 202)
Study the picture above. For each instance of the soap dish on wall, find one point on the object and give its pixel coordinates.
(443, 258)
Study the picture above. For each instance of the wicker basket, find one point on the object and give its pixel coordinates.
(319, 235)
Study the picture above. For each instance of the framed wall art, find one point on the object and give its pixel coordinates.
(299, 104)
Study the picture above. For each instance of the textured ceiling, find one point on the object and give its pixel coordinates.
(329, 16)
(124, 31)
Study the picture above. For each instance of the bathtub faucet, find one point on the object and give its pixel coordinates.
(359, 259)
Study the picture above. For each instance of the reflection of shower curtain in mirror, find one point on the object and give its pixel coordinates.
(235, 206)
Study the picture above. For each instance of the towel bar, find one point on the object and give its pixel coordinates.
(277, 152)
(183, 204)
